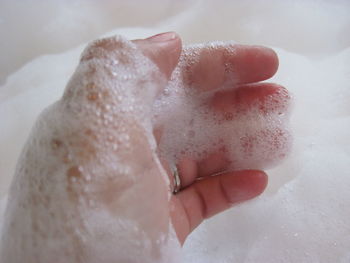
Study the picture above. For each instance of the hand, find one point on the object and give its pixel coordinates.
(203, 195)
(89, 179)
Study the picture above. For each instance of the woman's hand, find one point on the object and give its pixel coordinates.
(90, 186)
(203, 195)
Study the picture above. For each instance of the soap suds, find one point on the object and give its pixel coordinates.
(82, 168)
(254, 136)
(83, 163)
(312, 185)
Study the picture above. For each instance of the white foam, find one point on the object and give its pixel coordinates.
(303, 217)
(82, 169)
(193, 128)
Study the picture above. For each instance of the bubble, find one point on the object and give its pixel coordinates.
(256, 137)
(92, 96)
(96, 175)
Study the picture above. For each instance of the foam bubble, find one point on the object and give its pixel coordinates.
(254, 136)
(82, 169)
(308, 194)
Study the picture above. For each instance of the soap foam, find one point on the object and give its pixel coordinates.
(254, 137)
(79, 170)
(82, 169)
(303, 216)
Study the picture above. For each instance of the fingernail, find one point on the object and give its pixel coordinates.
(163, 37)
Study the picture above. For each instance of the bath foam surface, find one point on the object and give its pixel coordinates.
(199, 120)
(303, 215)
(82, 159)
(82, 168)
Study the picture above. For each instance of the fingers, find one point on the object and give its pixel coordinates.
(115, 72)
(163, 49)
(264, 98)
(267, 98)
(213, 195)
(213, 164)
(240, 64)
(188, 171)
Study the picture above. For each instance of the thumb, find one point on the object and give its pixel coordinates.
(163, 49)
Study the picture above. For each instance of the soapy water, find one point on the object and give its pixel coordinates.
(303, 215)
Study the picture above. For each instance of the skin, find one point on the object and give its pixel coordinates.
(59, 183)
(202, 195)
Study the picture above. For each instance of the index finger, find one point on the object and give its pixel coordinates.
(210, 67)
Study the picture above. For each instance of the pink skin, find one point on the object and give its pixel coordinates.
(203, 195)
(68, 156)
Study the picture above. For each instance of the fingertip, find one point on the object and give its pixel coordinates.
(215, 194)
(259, 181)
(257, 63)
(163, 49)
(244, 185)
(272, 60)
